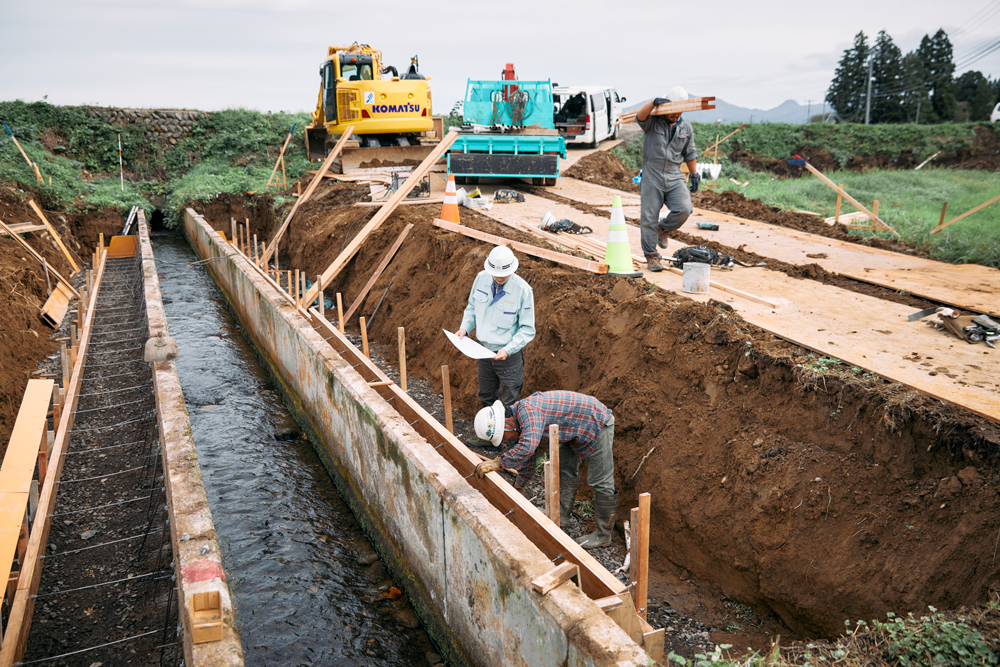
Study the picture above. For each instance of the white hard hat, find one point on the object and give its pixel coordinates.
(676, 94)
(490, 423)
(501, 262)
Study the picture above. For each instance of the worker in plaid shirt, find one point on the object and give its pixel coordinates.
(586, 432)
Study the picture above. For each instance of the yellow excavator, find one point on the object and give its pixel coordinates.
(388, 113)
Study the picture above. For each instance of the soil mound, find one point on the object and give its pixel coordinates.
(603, 168)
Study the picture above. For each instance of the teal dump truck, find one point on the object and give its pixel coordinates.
(508, 132)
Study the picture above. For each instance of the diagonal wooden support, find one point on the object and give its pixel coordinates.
(967, 213)
(846, 196)
(24, 244)
(383, 213)
(55, 236)
(280, 161)
(308, 193)
(378, 272)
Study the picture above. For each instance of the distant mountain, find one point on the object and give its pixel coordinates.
(788, 112)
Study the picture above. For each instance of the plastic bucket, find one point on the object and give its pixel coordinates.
(695, 279)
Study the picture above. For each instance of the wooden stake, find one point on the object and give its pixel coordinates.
(340, 311)
(643, 581)
(552, 476)
(446, 391)
(322, 302)
(944, 209)
(232, 234)
(64, 354)
(848, 197)
(875, 211)
(378, 271)
(633, 550)
(401, 336)
(840, 200)
(967, 213)
(100, 241)
(364, 336)
(254, 253)
(297, 288)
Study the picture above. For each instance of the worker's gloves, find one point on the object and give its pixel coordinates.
(660, 100)
(693, 183)
(487, 467)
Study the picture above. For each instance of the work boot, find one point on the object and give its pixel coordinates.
(476, 441)
(653, 262)
(605, 508)
(662, 235)
(567, 498)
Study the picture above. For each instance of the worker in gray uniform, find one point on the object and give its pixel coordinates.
(667, 141)
(501, 309)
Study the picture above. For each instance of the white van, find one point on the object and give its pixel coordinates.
(995, 116)
(586, 114)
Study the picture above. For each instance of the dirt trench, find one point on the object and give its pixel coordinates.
(814, 497)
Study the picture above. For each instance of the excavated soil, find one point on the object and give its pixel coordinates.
(603, 168)
(24, 338)
(810, 498)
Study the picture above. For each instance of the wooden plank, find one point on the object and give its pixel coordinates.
(24, 244)
(534, 251)
(19, 623)
(436, 200)
(683, 106)
(279, 161)
(848, 197)
(633, 550)
(557, 576)
(731, 290)
(446, 391)
(308, 193)
(967, 213)
(595, 580)
(609, 603)
(381, 216)
(401, 337)
(378, 272)
(552, 479)
(24, 228)
(55, 306)
(55, 235)
(643, 553)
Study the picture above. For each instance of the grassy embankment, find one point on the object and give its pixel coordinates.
(231, 151)
(910, 201)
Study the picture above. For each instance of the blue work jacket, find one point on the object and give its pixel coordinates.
(506, 321)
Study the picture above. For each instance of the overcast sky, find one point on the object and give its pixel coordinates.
(265, 54)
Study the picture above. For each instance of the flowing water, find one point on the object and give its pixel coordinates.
(307, 586)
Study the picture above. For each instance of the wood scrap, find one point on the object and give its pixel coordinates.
(967, 213)
(534, 251)
(383, 213)
(557, 576)
(436, 200)
(308, 193)
(858, 205)
(24, 228)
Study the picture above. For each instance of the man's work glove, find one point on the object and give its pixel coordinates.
(660, 100)
(487, 467)
(693, 183)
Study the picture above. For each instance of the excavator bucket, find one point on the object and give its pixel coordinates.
(316, 143)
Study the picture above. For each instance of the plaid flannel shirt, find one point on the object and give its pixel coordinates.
(579, 417)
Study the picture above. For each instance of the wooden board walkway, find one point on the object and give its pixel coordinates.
(966, 286)
(863, 331)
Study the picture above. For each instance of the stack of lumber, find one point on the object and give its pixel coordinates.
(694, 104)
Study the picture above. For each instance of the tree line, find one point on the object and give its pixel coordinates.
(919, 87)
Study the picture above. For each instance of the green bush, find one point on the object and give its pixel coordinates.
(933, 641)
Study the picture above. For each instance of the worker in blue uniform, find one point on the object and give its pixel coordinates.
(501, 309)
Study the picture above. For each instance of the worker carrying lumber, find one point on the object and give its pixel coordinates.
(586, 432)
(667, 141)
(502, 311)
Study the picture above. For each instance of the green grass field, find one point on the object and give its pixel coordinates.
(910, 201)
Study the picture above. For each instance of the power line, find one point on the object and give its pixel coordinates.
(993, 8)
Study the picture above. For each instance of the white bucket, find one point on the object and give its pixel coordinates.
(695, 279)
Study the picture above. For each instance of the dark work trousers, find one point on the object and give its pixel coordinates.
(501, 379)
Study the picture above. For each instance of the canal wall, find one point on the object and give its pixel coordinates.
(197, 556)
(466, 567)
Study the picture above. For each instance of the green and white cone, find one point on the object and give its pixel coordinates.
(619, 255)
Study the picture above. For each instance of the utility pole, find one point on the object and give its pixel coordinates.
(868, 96)
(917, 122)
(809, 106)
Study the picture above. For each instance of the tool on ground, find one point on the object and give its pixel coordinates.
(504, 196)
(710, 226)
(940, 310)
(705, 255)
(550, 224)
(982, 330)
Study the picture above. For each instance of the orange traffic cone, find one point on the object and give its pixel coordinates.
(449, 210)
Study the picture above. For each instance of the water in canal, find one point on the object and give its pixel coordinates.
(307, 586)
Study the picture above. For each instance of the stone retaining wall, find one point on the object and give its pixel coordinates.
(168, 124)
